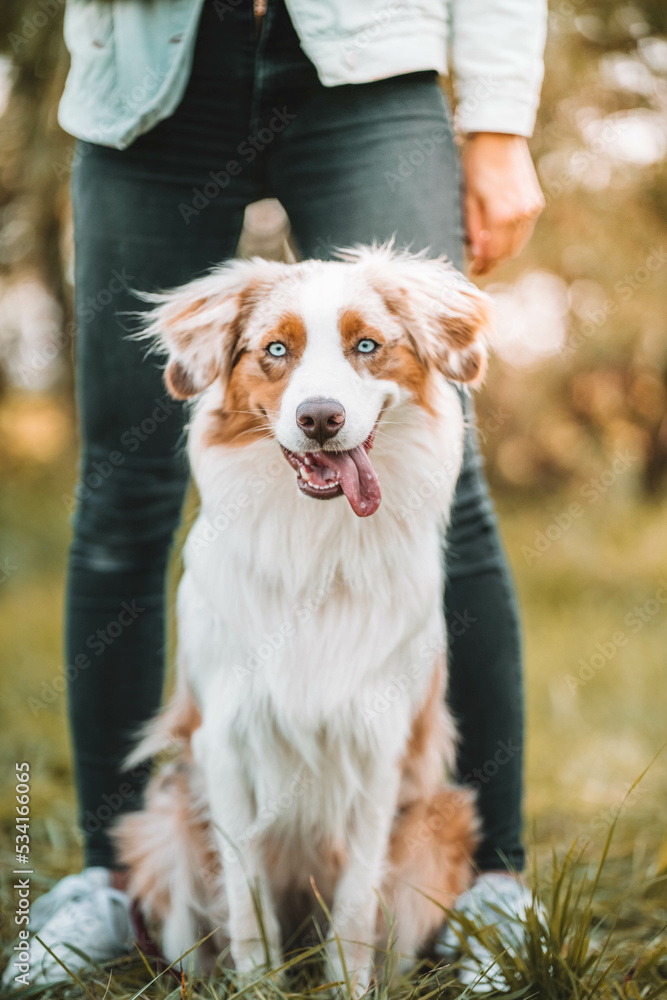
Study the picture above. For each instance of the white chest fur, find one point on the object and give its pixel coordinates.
(308, 634)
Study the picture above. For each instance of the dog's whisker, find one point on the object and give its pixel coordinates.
(255, 413)
(266, 433)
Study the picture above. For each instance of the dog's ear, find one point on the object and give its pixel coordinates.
(447, 319)
(460, 323)
(201, 325)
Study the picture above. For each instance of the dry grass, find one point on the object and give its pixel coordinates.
(598, 935)
(605, 936)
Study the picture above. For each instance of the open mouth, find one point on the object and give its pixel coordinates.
(328, 474)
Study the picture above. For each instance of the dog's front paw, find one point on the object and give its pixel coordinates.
(346, 969)
(251, 958)
(256, 947)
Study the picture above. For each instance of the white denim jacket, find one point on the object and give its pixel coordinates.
(131, 59)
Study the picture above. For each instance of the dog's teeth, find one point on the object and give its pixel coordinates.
(304, 475)
(307, 459)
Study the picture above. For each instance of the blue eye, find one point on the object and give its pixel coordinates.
(277, 349)
(367, 346)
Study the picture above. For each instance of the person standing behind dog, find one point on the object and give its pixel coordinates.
(186, 111)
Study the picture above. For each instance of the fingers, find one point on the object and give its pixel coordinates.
(498, 235)
(478, 236)
(503, 197)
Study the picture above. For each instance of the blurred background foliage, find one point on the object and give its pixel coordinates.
(582, 369)
(574, 413)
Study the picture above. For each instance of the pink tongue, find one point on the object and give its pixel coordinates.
(356, 476)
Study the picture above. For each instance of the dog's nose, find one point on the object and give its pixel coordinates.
(320, 419)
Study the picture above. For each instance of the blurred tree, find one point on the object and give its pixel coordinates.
(34, 152)
(598, 148)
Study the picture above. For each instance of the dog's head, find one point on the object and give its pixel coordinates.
(313, 355)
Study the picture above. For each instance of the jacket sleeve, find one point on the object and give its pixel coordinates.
(497, 51)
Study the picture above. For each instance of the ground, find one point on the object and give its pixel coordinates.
(593, 595)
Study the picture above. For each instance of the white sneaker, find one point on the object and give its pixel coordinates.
(495, 900)
(82, 912)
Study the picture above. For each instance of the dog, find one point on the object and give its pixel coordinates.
(308, 736)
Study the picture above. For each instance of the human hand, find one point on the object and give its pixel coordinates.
(502, 197)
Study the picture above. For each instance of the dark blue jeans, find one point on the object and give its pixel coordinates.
(349, 164)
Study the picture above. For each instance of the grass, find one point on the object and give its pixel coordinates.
(592, 936)
(591, 733)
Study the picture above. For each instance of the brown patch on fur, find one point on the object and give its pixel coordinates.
(397, 303)
(435, 830)
(256, 385)
(170, 851)
(292, 330)
(182, 715)
(398, 362)
(396, 300)
(174, 726)
(470, 367)
(459, 335)
(430, 854)
(180, 383)
(169, 847)
(183, 338)
(291, 868)
(354, 327)
(462, 331)
(459, 331)
(248, 300)
(421, 767)
(174, 861)
(401, 364)
(179, 379)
